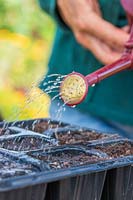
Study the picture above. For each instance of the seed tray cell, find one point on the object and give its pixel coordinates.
(65, 157)
(26, 141)
(115, 149)
(36, 125)
(75, 135)
(12, 165)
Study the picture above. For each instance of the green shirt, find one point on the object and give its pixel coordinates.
(112, 98)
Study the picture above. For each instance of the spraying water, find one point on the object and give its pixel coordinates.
(51, 87)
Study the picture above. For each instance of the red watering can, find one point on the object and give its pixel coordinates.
(74, 87)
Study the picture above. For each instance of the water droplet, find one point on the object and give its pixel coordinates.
(73, 106)
(58, 104)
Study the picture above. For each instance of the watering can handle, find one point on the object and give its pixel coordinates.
(128, 7)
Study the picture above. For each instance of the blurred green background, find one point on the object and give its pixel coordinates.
(26, 35)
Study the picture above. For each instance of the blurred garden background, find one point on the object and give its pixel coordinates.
(26, 35)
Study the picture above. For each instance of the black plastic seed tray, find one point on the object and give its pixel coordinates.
(51, 127)
(74, 163)
(100, 167)
(24, 140)
(36, 125)
(16, 165)
(119, 181)
(23, 136)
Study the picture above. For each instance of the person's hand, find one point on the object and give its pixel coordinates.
(102, 38)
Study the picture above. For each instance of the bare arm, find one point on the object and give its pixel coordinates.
(102, 38)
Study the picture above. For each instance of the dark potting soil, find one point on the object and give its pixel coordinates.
(117, 149)
(43, 126)
(39, 127)
(7, 131)
(24, 144)
(10, 168)
(4, 131)
(74, 137)
(66, 159)
(1, 131)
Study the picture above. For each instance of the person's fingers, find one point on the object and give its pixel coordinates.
(106, 31)
(126, 28)
(105, 55)
(100, 50)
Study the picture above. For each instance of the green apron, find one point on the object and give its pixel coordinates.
(110, 99)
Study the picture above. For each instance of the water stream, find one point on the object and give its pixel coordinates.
(51, 87)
